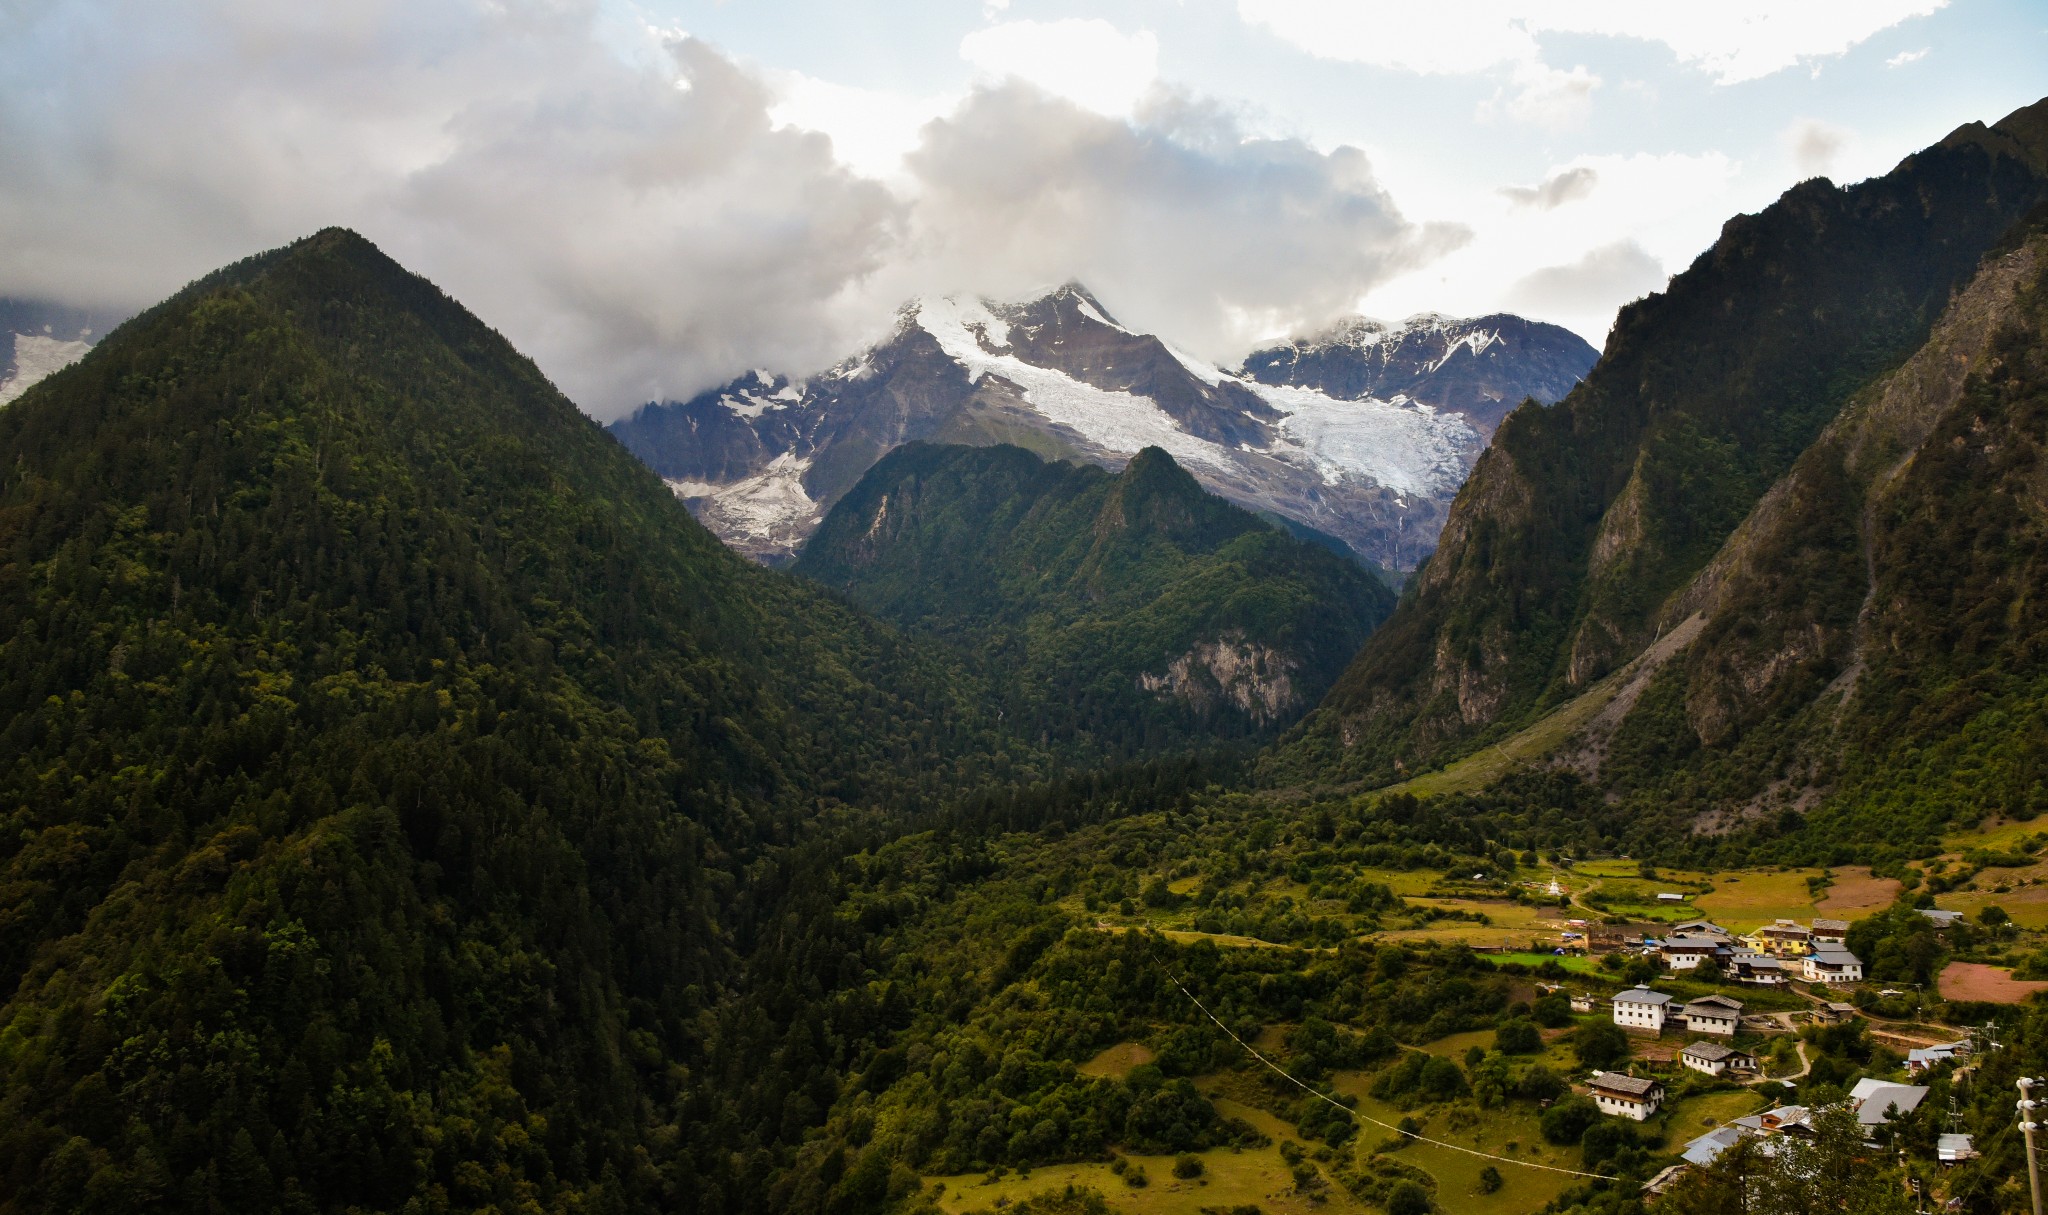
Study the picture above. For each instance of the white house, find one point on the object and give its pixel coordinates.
(1954, 1149)
(1686, 953)
(1713, 1015)
(1830, 932)
(1625, 1096)
(1716, 1058)
(1833, 964)
(1758, 969)
(1641, 1008)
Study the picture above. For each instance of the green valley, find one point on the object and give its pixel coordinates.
(409, 807)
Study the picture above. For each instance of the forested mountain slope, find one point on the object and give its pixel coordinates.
(1133, 609)
(385, 750)
(1581, 520)
(1871, 641)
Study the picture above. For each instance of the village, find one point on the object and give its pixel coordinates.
(1727, 1039)
(1653, 1019)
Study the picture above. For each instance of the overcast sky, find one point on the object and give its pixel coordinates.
(650, 197)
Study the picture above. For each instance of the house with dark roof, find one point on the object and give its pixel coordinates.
(1716, 1058)
(1702, 928)
(1712, 1015)
(1830, 932)
(1686, 953)
(1625, 1096)
(1760, 970)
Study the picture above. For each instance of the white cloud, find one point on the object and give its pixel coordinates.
(1546, 97)
(1085, 60)
(1905, 57)
(1577, 244)
(1555, 190)
(1178, 219)
(1594, 284)
(1733, 41)
(1815, 146)
(648, 220)
(871, 129)
(636, 237)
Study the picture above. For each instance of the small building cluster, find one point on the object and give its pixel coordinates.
(1766, 957)
(1640, 1008)
(1874, 1102)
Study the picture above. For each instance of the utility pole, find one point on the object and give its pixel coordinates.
(2028, 1126)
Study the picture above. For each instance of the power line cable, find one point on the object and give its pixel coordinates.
(1321, 1095)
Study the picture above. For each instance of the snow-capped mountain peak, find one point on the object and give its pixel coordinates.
(762, 458)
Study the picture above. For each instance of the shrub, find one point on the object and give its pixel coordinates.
(1518, 1037)
(1539, 1083)
(1566, 1122)
(1187, 1165)
(1601, 1044)
(1407, 1198)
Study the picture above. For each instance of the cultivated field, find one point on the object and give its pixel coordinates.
(1745, 898)
(1993, 984)
(2027, 905)
(1856, 893)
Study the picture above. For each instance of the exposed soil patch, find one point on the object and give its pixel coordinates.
(1856, 893)
(1992, 984)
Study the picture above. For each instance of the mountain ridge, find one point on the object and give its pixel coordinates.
(1581, 519)
(760, 459)
(393, 765)
(1136, 604)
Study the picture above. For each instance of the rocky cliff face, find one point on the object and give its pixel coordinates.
(1363, 434)
(1255, 679)
(1480, 369)
(1581, 522)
